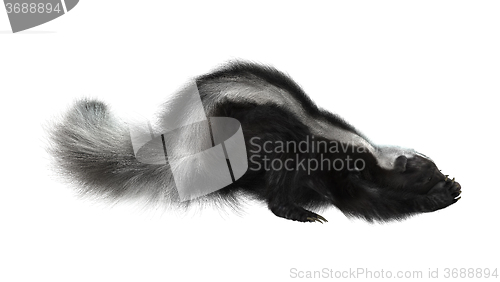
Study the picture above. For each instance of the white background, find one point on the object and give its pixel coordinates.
(420, 74)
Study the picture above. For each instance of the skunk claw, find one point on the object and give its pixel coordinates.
(314, 219)
(322, 218)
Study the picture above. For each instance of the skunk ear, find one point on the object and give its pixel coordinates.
(400, 164)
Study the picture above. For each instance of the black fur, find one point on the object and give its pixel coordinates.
(94, 149)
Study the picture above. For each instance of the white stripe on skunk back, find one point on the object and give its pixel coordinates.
(261, 93)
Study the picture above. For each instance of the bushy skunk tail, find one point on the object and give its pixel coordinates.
(93, 148)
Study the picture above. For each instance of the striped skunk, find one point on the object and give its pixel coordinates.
(300, 156)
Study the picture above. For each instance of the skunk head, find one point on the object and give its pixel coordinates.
(416, 172)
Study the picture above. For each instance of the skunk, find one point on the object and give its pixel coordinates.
(300, 157)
